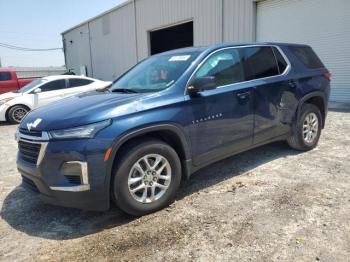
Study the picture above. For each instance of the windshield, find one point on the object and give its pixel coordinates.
(31, 85)
(155, 73)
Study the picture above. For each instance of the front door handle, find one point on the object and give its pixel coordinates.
(243, 96)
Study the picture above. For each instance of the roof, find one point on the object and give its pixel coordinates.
(98, 16)
(58, 77)
(224, 45)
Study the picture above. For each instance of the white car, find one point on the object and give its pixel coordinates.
(15, 105)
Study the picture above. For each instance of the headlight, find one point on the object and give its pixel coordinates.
(4, 101)
(88, 131)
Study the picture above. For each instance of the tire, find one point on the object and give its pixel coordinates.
(16, 114)
(300, 140)
(135, 203)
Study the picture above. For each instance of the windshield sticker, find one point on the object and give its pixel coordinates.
(179, 58)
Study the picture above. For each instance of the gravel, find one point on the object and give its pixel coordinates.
(267, 204)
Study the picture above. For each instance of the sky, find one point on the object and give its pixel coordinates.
(39, 24)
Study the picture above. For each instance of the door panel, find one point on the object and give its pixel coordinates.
(7, 83)
(274, 106)
(222, 119)
(222, 123)
(78, 85)
(273, 93)
(50, 92)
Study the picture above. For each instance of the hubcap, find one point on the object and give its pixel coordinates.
(18, 114)
(310, 128)
(149, 178)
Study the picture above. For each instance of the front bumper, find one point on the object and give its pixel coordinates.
(47, 177)
(3, 109)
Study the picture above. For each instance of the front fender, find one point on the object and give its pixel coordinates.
(174, 128)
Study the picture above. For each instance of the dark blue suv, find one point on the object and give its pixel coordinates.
(167, 117)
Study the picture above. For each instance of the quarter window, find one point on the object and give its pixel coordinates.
(75, 82)
(5, 76)
(226, 66)
(260, 62)
(307, 56)
(281, 62)
(54, 85)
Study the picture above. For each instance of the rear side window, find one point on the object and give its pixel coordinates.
(54, 85)
(260, 62)
(281, 62)
(75, 82)
(307, 56)
(5, 76)
(226, 66)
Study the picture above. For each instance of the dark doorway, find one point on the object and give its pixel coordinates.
(171, 38)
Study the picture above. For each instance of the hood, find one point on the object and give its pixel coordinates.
(82, 110)
(9, 95)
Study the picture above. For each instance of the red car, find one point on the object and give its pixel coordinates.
(10, 82)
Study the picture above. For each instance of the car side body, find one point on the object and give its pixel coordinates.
(46, 90)
(10, 82)
(247, 109)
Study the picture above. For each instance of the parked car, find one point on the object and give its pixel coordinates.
(169, 116)
(10, 82)
(42, 91)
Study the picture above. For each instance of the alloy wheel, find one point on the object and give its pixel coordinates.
(149, 178)
(18, 114)
(310, 128)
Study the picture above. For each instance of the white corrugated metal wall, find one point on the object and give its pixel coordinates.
(323, 24)
(77, 49)
(153, 14)
(239, 20)
(115, 46)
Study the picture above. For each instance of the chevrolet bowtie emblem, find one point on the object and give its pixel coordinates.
(34, 124)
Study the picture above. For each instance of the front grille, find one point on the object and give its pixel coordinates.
(30, 133)
(29, 184)
(29, 152)
(73, 179)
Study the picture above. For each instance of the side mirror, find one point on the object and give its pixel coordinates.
(37, 90)
(201, 84)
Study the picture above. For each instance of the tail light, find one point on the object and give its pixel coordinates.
(328, 76)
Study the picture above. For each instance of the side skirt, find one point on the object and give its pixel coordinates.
(189, 168)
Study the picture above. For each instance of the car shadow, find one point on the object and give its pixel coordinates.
(25, 212)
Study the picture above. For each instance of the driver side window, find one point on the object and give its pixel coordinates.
(226, 66)
(54, 85)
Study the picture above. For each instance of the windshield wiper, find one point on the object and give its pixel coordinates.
(124, 90)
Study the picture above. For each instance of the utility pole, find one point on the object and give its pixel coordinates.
(0, 62)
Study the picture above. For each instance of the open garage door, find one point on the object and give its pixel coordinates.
(323, 24)
(170, 38)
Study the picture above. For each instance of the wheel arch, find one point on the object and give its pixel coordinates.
(19, 104)
(318, 99)
(168, 133)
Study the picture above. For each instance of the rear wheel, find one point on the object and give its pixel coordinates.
(308, 129)
(16, 114)
(147, 178)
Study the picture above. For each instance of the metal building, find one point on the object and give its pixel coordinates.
(323, 24)
(110, 43)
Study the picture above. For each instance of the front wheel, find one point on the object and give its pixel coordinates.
(16, 114)
(146, 178)
(308, 129)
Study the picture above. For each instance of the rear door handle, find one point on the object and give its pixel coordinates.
(243, 96)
